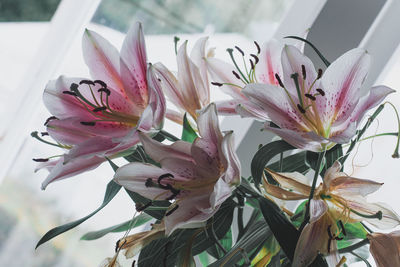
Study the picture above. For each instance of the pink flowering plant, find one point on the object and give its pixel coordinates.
(199, 209)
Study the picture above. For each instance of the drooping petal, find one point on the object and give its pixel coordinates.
(62, 171)
(314, 238)
(331, 173)
(68, 131)
(341, 83)
(221, 192)
(134, 65)
(280, 193)
(293, 181)
(270, 63)
(385, 248)
(303, 140)
(102, 59)
(133, 177)
(274, 101)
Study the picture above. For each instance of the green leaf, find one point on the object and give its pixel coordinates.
(111, 190)
(226, 241)
(135, 222)
(264, 155)
(292, 163)
(188, 134)
(167, 249)
(298, 217)
(354, 230)
(258, 233)
(324, 60)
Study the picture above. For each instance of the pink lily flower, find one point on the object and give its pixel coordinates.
(339, 198)
(199, 177)
(385, 248)
(314, 111)
(101, 118)
(189, 90)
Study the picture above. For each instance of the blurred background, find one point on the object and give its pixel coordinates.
(41, 39)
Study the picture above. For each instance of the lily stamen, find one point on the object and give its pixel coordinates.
(258, 47)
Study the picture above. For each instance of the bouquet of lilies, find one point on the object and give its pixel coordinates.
(199, 209)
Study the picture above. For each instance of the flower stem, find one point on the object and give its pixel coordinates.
(354, 246)
(321, 156)
(240, 216)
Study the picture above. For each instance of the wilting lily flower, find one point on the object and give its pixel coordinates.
(340, 199)
(263, 66)
(385, 248)
(189, 90)
(315, 110)
(98, 118)
(199, 177)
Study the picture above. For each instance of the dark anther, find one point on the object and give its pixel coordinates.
(310, 97)
(236, 75)
(319, 74)
(133, 263)
(303, 71)
(40, 160)
(149, 182)
(44, 133)
(240, 50)
(70, 93)
(279, 80)
(252, 64)
(117, 246)
(88, 123)
(255, 58)
(320, 91)
(159, 79)
(329, 245)
(105, 90)
(89, 82)
(164, 176)
(217, 84)
(74, 87)
(329, 232)
(99, 109)
(258, 47)
(103, 84)
(338, 238)
(342, 226)
(302, 110)
(140, 207)
(49, 119)
(172, 210)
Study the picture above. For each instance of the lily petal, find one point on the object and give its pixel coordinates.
(385, 248)
(157, 101)
(198, 55)
(270, 63)
(314, 237)
(346, 185)
(96, 145)
(134, 64)
(102, 59)
(133, 177)
(232, 165)
(293, 181)
(61, 171)
(208, 126)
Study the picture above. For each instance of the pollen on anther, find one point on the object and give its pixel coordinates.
(217, 84)
(149, 182)
(240, 50)
(319, 74)
(40, 160)
(255, 58)
(105, 90)
(103, 84)
(303, 71)
(310, 97)
(302, 110)
(236, 75)
(279, 80)
(89, 82)
(258, 47)
(320, 91)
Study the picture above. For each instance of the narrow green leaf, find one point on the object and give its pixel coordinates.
(324, 60)
(188, 134)
(264, 155)
(226, 241)
(111, 190)
(130, 224)
(292, 163)
(355, 230)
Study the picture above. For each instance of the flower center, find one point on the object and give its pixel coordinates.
(99, 105)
